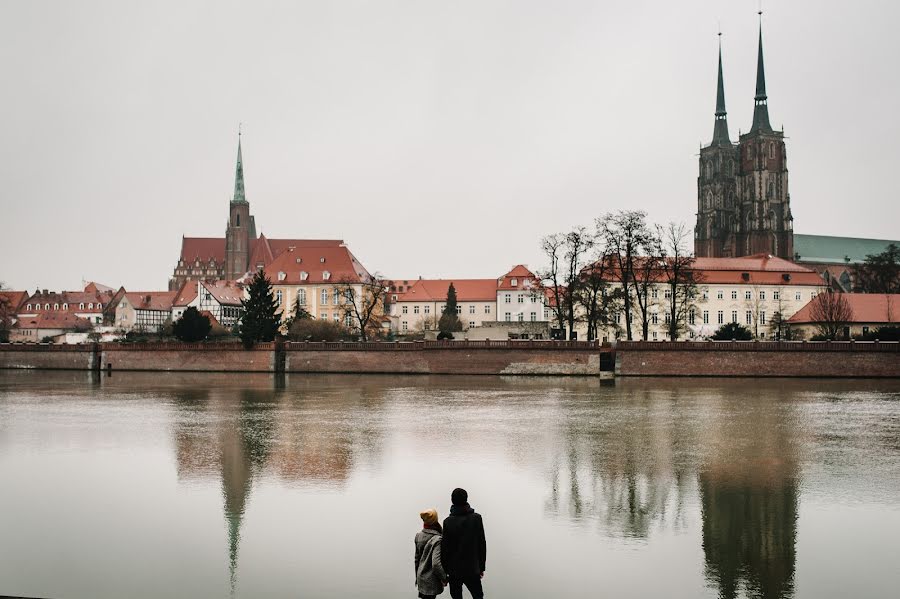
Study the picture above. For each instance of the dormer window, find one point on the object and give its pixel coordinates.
(322, 259)
(46, 306)
(513, 282)
(56, 306)
(28, 307)
(299, 260)
(325, 274)
(304, 275)
(65, 306)
(282, 276)
(81, 306)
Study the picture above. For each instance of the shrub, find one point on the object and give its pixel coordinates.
(192, 326)
(732, 330)
(318, 330)
(883, 334)
(444, 335)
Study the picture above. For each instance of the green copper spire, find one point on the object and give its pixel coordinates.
(239, 177)
(760, 108)
(720, 132)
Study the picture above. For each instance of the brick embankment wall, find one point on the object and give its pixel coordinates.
(184, 357)
(48, 357)
(445, 360)
(438, 357)
(758, 359)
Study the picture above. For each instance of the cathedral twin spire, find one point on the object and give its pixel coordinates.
(760, 101)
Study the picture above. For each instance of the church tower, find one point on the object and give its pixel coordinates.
(717, 185)
(767, 225)
(743, 204)
(240, 230)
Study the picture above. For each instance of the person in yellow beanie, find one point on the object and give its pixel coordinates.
(430, 576)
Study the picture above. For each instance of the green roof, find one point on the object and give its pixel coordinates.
(836, 250)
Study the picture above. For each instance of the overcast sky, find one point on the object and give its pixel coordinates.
(438, 138)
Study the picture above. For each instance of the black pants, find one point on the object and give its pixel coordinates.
(473, 583)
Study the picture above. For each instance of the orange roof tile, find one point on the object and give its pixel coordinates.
(14, 298)
(207, 248)
(225, 293)
(151, 300)
(71, 299)
(524, 278)
(435, 290)
(876, 308)
(54, 320)
(315, 261)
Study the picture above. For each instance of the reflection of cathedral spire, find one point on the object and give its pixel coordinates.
(236, 480)
(749, 535)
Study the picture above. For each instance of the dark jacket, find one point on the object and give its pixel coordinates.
(430, 575)
(463, 549)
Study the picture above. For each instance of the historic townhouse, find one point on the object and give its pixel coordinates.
(88, 305)
(317, 277)
(750, 290)
(517, 296)
(219, 299)
(146, 311)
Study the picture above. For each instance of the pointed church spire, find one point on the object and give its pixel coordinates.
(720, 132)
(760, 108)
(239, 175)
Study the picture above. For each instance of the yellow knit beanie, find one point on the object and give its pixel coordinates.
(429, 516)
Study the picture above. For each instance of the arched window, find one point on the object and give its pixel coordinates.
(65, 306)
(237, 220)
(46, 306)
(91, 306)
(28, 307)
(771, 189)
(81, 306)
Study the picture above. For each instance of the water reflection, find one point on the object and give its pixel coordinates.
(749, 493)
(259, 432)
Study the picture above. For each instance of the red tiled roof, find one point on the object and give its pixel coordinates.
(54, 320)
(225, 293)
(15, 298)
(207, 248)
(339, 262)
(151, 300)
(186, 294)
(72, 299)
(525, 279)
(94, 287)
(435, 290)
(877, 308)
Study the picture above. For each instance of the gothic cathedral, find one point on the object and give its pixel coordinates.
(743, 204)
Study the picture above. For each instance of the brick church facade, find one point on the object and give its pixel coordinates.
(241, 251)
(743, 203)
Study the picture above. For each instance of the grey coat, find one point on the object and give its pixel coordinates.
(430, 575)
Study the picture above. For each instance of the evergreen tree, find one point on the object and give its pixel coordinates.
(261, 318)
(192, 326)
(732, 331)
(298, 313)
(449, 322)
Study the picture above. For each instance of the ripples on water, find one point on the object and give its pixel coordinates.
(210, 485)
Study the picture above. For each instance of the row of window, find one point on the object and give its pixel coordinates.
(748, 295)
(427, 309)
(520, 316)
(90, 306)
(507, 298)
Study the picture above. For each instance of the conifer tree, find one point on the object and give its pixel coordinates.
(261, 318)
(449, 322)
(192, 326)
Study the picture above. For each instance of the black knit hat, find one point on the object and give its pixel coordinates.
(459, 496)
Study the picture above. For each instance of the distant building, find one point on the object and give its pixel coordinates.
(89, 305)
(836, 258)
(145, 311)
(416, 305)
(240, 251)
(743, 203)
(47, 325)
(313, 275)
(871, 311)
(222, 300)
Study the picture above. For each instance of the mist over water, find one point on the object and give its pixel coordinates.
(206, 485)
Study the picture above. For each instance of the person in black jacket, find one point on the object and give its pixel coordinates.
(463, 548)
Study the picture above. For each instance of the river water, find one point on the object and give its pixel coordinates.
(149, 485)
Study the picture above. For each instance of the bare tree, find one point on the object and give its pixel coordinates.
(577, 243)
(7, 313)
(678, 275)
(831, 312)
(551, 277)
(625, 235)
(595, 297)
(363, 304)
